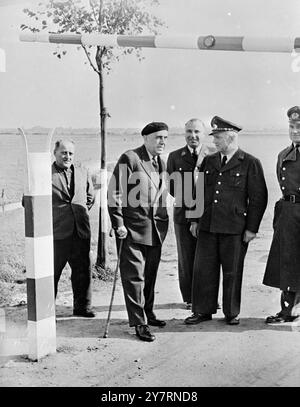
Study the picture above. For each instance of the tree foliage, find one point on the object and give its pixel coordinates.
(131, 17)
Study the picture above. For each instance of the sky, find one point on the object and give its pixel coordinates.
(251, 89)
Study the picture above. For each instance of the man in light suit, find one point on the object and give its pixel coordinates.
(72, 197)
(185, 162)
(137, 207)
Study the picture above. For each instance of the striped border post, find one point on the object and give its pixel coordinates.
(39, 246)
(204, 42)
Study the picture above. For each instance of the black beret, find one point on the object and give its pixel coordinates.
(219, 125)
(153, 127)
(294, 114)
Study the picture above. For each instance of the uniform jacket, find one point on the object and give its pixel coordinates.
(137, 198)
(68, 211)
(235, 196)
(288, 182)
(181, 162)
(282, 269)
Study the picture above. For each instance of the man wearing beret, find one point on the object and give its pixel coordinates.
(235, 198)
(184, 163)
(282, 270)
(137, 207)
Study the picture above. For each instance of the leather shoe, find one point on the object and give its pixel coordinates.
(232, 320)
(84, 313)
(143, 333)
(197, 318)
(279, 319)
(156, 322)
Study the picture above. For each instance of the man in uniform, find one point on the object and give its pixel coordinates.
(184, 163)
(137, 208)
(235, 198)
(72, 197)
(283, 265)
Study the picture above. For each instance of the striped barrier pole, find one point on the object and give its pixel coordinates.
(2, 60)
(208, 42)
(39, 246)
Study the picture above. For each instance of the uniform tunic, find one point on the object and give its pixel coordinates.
(235, 198)
(283, 265)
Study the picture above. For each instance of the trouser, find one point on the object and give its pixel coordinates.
(186, 247)
(290, 303)
(76, 252)
(214, 250)
(138, 268)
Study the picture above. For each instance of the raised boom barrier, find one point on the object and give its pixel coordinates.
(208, 42)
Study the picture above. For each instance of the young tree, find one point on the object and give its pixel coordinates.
(129, 17)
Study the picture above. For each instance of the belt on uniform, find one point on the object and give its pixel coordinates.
(291, 198)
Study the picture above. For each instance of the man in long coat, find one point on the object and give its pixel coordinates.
(235, 198)
(182, 166)
(137, 206)
(283, 265)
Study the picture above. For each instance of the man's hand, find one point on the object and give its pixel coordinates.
(121, 232)
(248, 236)
(194, 228)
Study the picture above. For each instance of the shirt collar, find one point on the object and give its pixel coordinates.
(197, 149)
(151, 155)
(229, 156)
(59, 169)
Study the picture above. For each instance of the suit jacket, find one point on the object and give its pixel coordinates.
(181, 164)
(68, 211)
(137, 198)
(235, 196)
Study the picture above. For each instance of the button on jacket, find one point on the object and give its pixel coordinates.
(181, 162)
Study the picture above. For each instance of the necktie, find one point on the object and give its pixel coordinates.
(195, 155)
(155, 163)
(224, 159)
(68, 175)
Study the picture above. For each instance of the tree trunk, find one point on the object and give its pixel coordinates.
(103, 212)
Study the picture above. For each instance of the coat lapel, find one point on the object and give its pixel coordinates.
(234, 161)
(215, 160)
(59, 180)
(289, 154)
(146, 164)
(187, 156)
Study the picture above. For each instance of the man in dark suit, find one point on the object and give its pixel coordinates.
(72, 197)
(137, 207)
(182, 167)
(235, 198)
(282, 270)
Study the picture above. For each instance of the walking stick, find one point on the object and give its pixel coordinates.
(113, 290)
